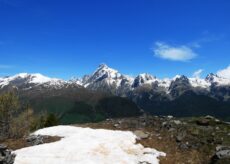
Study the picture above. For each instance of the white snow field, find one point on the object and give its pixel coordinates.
(87, 146)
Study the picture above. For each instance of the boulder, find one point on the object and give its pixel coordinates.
(177, 122)
(169, 117)
(35, 140)
(166, 125)
(116, 126)
(140, 134)
(180, 136)
(2, 147)
(6, 157)
(203, 122)
(222, 154)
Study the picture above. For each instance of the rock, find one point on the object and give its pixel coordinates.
(157, 135)
(203, 122)
(222, 152)
(35, 140)
(171, 129)
(108, 119)
(195, 131)
(120, 122)
(2, 147)
(169, 117)
(116, 125)
(228, 123)
(141, 135)
(209, 117)
(180, 136)
(6, 157)
(217, 128)
(177, 122)
(166, 125)
(183, 146)
(217, 121)
(218, 141)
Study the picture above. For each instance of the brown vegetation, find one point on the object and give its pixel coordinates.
(19, 143)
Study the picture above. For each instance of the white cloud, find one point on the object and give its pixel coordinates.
(198, 73)
(179, 53)
(224, 72)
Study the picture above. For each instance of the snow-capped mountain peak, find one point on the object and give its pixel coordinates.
(217, 80)
(76, 80)
(25, 78)
(103, 70)
(108, 79)
(147, 76)
(198, 82)
(39, 78)
(143, 78)
(176, 77)
(102, 73)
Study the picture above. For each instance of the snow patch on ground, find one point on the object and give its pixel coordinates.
(87, 146)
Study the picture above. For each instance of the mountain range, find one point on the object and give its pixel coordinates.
(180, 96)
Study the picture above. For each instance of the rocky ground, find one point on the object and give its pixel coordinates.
(195, 140)
(7, 146)
(198, 140)
(15, 144)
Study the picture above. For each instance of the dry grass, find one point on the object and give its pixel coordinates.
(15, 144)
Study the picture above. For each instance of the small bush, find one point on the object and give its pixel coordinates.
(51, 120)
(44, 120)
(15, 119)
(21, 124)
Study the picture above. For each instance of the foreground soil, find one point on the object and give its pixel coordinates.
(19, 143)
(185, 141)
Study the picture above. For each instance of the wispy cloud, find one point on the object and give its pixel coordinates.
(3, 66)
(205, 39)
(224, 72)
(198, 73)
(174, 53)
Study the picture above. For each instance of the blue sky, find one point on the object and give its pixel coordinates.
(71, 38)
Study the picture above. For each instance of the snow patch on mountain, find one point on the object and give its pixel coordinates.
(75, 80)
(88, 146)
(35, 78)
(198, 82)
(143, 78)
(225, 73)
(217, 80)
(165, 83)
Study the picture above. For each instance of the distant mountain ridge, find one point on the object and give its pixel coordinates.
(150, 93)
(109, 77)
(109, 80)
